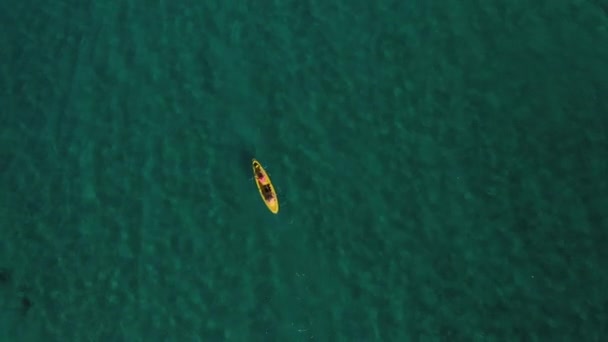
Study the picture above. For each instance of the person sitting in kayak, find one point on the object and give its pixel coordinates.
(261, 178)
(268, 192)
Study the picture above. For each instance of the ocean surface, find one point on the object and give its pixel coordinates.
(441, 166)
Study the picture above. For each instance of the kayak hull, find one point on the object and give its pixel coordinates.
(266, 189)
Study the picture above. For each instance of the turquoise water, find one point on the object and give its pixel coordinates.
(441, 168)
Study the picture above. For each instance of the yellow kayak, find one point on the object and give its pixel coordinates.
(265, 187)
